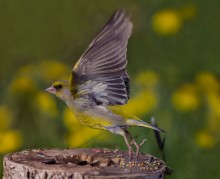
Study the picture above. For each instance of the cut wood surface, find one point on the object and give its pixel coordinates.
(81, 164)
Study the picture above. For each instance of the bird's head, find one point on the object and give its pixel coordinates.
(60, 89)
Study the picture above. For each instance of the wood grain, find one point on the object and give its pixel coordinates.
(81, 164)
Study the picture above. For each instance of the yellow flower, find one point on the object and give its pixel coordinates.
(213, 123)
(143, 103)
(166, 22)
(188, 11)
(147, 79)
(5, 117)
(28, 70)
(46, 103)
(207, 82)
(48, 70)
(213, 103)
(205, 140)
(53, 70)
(10, 141)
(82, 137)
(22, 84)
(185, 98)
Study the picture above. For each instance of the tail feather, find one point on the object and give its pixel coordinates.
(141, 123)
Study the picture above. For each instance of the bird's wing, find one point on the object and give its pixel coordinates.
(100, 72)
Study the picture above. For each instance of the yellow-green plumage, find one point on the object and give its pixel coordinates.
(99, 82)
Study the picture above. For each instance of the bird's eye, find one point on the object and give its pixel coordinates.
(58, 87)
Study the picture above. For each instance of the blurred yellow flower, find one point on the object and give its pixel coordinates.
(205, 140)
(207, 82)
(22, 84)
(5, 118)
(188, 11)
(27, 69)
(166, 22)
(185, 98)
(83, 136)
(48, 70)
(143, 103)
(213, 104)
(46, 103)
(10, 141)
(213, 123)
(147, 79)
(53, 70)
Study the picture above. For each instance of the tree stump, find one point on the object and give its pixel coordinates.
(81, 164)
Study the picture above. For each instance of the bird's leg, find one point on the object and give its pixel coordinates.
(128, 135)
(142, 143)
(138, 147)
(133, 142)
(123, 132)
(130, 150)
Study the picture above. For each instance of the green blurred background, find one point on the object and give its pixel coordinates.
(173, 58)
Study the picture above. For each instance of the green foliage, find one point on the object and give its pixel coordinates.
(173, 58)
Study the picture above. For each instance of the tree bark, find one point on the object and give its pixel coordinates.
(81, 164)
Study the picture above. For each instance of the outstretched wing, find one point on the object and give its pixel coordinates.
(100, 73)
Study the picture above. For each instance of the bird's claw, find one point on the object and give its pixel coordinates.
(132, 142)
(138, 147)
(130, 151)
(142, 143)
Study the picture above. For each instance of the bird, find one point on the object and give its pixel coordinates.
(99, 83)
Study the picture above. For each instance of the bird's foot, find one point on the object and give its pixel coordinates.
(130, 151)
(138, 147)
(142, 143)
(132, 142)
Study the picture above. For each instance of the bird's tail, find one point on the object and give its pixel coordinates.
(141, 123)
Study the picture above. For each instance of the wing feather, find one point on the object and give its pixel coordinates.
(100, 72)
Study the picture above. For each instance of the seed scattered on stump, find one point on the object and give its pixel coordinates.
(99, 161)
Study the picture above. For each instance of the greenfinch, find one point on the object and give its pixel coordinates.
(99, 83)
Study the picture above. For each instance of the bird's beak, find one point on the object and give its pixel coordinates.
(51, 89)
